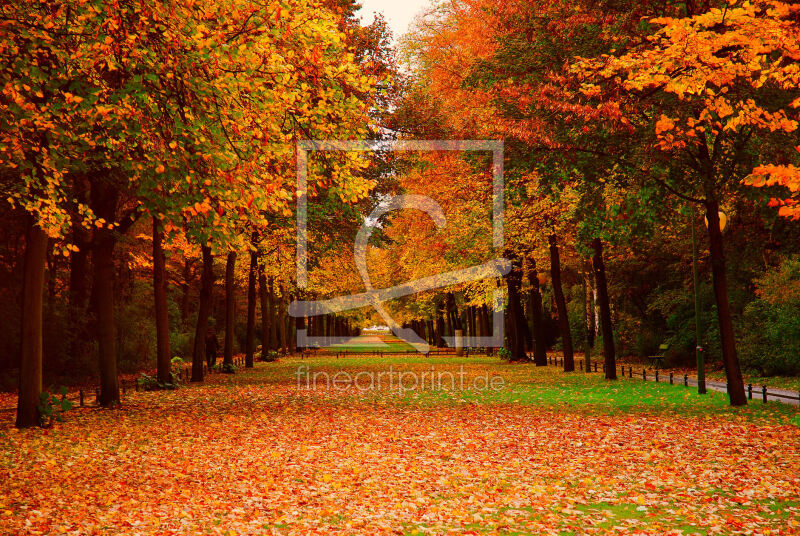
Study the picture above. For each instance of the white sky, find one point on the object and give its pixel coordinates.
(398, 13)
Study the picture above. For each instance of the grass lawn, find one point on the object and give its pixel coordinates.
(376, 343)
(264, 451)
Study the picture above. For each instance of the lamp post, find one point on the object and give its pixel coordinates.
(699, 351)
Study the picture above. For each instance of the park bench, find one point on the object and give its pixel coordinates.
(657, 361)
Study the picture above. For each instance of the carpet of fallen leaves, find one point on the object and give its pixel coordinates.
(254, 454)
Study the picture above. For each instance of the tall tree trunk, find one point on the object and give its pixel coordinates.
(30, 369)
(163, 364)
(516, 318)
(265, 320)
(561, 305)
(733, 372)
(203, 312)
(230, 307)
(539, 343)
(605, 310)
(104, 204)
(251, 310)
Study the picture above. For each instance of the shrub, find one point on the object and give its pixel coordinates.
(150, 383)
(770, 328)
(52, 408)
(770, 338)
(181, 344)
(226, 368)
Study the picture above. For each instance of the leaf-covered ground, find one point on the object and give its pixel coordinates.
(549, 453)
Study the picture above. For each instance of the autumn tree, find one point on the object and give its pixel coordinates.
(711, 96)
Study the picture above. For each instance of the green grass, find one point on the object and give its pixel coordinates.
(391, 344)
(523, 384)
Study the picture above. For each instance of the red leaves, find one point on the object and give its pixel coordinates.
(255, 454)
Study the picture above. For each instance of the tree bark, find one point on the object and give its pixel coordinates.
(733, 371)
(230, 307)
(203, 312)
(104, 204)
(539, 342)
(605, 310)
(30, 370)
(561, 305)
(163, 363)
(251, 310)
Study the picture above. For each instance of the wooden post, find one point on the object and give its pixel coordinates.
(764, 393)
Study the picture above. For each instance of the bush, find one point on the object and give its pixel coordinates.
(770, 328)
(52, 408)
(150, 383)
(770, 339)
(181, 344)
(226, 368)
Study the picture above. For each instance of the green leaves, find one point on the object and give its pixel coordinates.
(52, 407)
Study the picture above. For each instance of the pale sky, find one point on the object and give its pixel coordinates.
(398, 13)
